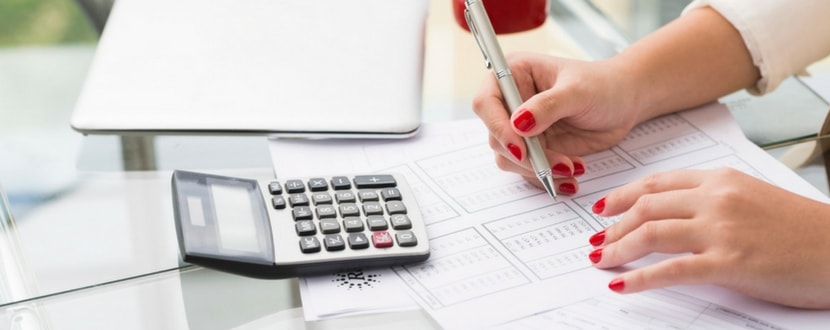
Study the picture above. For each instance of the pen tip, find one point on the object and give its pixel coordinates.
(547, 181)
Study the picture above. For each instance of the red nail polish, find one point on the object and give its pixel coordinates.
(561, 170)
(524, 121)
(567, 188)
(579, 169)
(595, 255)
(616, 285)
(515, 151)
(597, 239)
(599, 206)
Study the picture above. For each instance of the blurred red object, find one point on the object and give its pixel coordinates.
(507, 16)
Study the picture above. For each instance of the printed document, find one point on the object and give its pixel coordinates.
(504, 254)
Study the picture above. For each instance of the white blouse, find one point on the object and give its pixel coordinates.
(783, 36)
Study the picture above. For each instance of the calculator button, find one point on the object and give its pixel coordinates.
(358, 241)
(400, 221)
(372, 208)
(344, 196)
(321, 198)
(395, 207)
(367, 195)
(376, 222)
(278, 202)
(326, 211)
(334, 243)
(340, 183)
(317, 184)
(374, 181)
(302, 213)
(349, 210)
(406, 238)
(309, 244)
(305, 228)
(353, 224)
(390, 194)
(381, 239)
(294, 186)
(329, 226)
(297, 199)
(275, 188)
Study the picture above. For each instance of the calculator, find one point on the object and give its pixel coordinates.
(269, 228)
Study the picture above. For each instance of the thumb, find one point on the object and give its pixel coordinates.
(541, 111)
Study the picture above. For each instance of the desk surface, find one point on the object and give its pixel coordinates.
(93, 239)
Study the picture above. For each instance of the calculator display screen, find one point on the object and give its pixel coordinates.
(236, 217)
(221, 220)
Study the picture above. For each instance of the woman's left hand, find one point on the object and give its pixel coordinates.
(742, 233)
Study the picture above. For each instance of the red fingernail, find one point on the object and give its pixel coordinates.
(567, 188)
(515, 151)
(579, 169)
(561, 170)
(595, 255)
(599, 206)
(597, 239)
(616, 285)
(524, 121)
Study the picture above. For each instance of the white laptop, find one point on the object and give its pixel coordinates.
(296, 68)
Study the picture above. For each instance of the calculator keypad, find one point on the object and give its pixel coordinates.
(362, 212)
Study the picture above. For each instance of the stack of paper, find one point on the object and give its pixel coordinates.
(504, 254)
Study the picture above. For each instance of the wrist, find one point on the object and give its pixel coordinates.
(633, 95)
(691, 61)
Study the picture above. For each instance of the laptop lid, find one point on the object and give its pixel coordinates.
(298, 68)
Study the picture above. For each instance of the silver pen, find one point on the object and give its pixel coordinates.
(485, 37)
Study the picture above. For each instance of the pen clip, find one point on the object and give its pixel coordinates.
(474, 30)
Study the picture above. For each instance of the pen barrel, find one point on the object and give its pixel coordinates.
(537, 156)
(482, 29)
(508, 88)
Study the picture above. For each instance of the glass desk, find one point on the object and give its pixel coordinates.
(93, 245)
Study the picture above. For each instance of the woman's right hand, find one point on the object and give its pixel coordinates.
(574, 107)
(578, 107)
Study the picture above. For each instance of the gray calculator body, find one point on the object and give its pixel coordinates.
(265, 228)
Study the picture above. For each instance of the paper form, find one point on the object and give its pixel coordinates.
(657, 309)
(503, 253)
(353, 293)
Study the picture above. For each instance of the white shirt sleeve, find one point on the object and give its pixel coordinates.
(783, 37)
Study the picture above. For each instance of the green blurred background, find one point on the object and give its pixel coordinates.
(43, 22)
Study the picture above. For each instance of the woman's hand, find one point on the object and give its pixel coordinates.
(578, 107)
(742, 233)
(574, 107)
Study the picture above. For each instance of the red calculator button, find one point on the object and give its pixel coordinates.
(381, 239)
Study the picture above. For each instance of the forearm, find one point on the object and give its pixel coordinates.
(693, 60)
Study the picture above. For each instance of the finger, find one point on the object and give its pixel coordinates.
(580, 168)
(623, 198)
(561, 165)
(684, 270)
(565, 166)
(542, 110)
(510, 152)
(667, 236)
(653, 207)
(489, 106)
(564, 186)
(509, 165)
